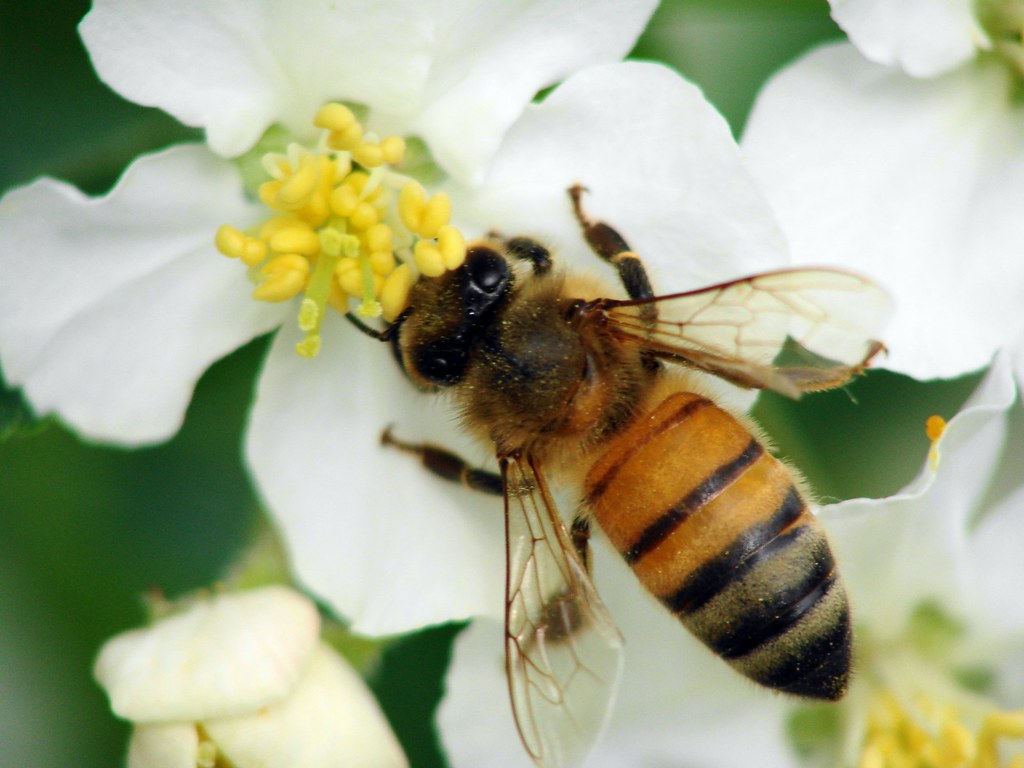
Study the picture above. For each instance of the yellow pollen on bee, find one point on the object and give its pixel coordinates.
(343, 226)
(934, 736)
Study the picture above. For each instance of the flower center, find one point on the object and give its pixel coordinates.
(930, 734)
(344, 225)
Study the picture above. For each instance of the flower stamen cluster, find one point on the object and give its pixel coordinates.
(339, 229)
(936, 736)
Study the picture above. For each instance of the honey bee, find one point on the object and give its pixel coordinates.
(564, 381)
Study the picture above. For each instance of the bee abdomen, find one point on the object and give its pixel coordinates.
(713, 526)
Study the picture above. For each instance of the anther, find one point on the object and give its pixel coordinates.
(934, 426)
(300, 184)
(411, 201)
(436, 213)
(334, 117)
(428, 259)
(285, 275)
(238, 245)
(452, 246)
(394, 295)
(296, 239)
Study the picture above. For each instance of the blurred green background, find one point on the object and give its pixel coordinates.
(85, 530)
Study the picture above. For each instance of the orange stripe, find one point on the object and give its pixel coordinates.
(752, 498)
(644, 475)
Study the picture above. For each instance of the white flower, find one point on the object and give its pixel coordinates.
(243, 676)
(402, 549)
(111, 308)
(902, 156)
(933, 574)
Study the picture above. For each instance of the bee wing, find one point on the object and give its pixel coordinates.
(792, 331)
(563, 653)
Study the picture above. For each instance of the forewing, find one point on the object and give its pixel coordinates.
(793, 330)
(563, 652)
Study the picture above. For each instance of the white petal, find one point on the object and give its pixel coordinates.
(330, 720)
(171, 745)
(994, 557)
(111, 308)
(491, 58)
(923, 37)
(912, 182)
(388, 545)
(456, 72)
(897, 552)
(661, 167)
(235, 67)
(225, 655)
(676, 698)
(474, 719)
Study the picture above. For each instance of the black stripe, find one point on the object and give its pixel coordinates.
(754, 545)
(681, 415)
(712, 485)
(765, 623)
(821, 669)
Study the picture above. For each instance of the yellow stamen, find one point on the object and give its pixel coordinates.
(364, 216)
(393, 148)
(368, 155)
(335, 245)
(295, 239)
(394, 295)
(933, 736)
(452, 246)
(370, 307)
(997, 725)
(343, 200)
(382, 263)
(285, 276)
(411, 201)
(379, 238)
(934, 426)
(334, 117)
(337, 229)
(428, 259)
(348, 275)
(300, 184)
(436, 214)
(231, 242)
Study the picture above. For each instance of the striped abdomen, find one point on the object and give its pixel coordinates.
(714, 527)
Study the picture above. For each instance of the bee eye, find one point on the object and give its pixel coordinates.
(487, 270)
(441, 363)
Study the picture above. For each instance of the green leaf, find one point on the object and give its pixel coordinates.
(16, 416)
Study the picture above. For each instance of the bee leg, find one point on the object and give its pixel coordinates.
(388, 334)
(525, 249)
(448, 466)
(580, 535)
(612, 247)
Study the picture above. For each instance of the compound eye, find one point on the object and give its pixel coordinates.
(487, 270)
(441, 363)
